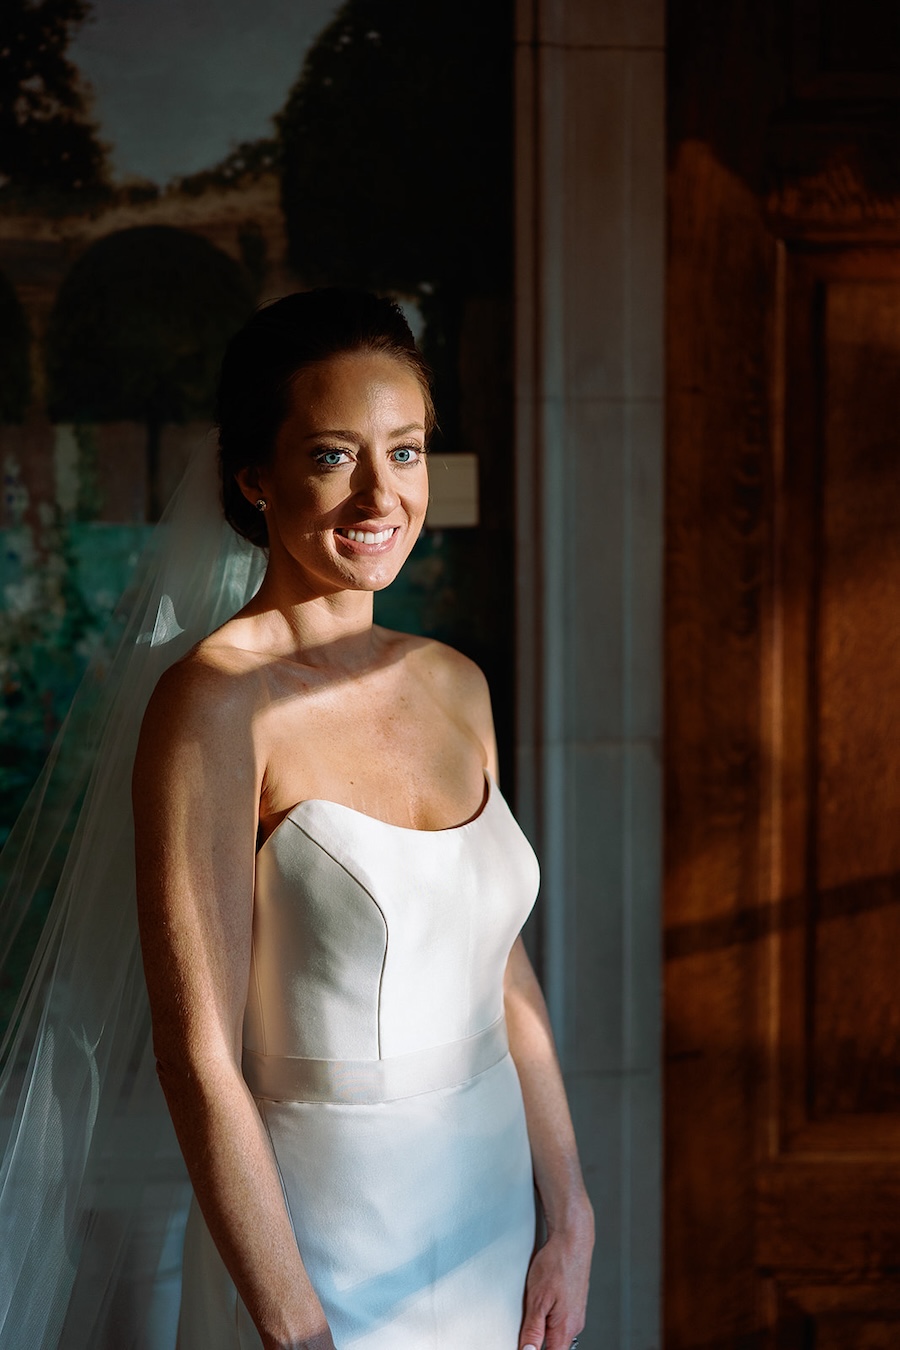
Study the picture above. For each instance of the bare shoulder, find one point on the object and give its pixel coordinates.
(453, 671)
(195, 798)
(211, 684)
(198, 730)
(454, 679)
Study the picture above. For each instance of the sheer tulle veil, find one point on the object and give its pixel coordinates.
(92, 1187)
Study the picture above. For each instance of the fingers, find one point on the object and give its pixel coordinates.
(538, 1303)
(561, 1333)
(531, 1337)
(552, 1330)
(556, 1339)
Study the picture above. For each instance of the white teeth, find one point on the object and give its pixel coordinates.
(368, 536)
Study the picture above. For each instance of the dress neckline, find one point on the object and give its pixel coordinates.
(490, 789)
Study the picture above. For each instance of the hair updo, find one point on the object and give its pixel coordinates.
(262, 360)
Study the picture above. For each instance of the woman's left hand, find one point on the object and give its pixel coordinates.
(556, 1289)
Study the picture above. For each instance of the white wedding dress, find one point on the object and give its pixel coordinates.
(375, 1046)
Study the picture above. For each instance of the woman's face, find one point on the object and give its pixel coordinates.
(347, 487)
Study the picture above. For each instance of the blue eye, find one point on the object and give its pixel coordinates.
(406, 454)
(331, 458)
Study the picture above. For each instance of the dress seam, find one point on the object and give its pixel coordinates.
(259, 999)
(365, 890)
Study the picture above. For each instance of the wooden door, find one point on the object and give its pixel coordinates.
(783, 677)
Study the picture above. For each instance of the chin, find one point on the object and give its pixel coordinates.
(355, 580)
(377, 583)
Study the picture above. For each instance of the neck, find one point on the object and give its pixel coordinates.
(325, 630)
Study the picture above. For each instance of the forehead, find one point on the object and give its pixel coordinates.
(363, 384)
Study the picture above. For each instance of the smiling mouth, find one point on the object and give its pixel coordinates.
(368, 536)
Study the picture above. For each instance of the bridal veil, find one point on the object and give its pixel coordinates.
(92, 1186)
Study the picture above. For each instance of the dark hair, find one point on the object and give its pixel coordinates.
(262, 360)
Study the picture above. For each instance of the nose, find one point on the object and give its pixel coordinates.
(374, 487)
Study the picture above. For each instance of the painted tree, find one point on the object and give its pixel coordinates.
(138, 333)
(396, 163)
(46, 137)
(396, 157)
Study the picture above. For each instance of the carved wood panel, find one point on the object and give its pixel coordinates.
(783, 679)
(839, 777)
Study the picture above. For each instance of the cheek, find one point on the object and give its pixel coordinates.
(309, 503)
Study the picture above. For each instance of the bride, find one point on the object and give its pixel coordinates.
(351, 1042)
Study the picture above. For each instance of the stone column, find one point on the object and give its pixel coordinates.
(589, 283)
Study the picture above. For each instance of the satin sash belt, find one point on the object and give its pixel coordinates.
(364, 1081)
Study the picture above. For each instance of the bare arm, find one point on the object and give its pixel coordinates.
(196, 793)
(557, 1287)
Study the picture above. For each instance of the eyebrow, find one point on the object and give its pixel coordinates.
(354, 436)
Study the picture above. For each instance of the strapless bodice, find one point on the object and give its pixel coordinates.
(372, 940)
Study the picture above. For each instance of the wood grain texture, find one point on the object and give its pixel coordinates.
(715, 574)
(838, 588)
(855, 1054)
(782, 707)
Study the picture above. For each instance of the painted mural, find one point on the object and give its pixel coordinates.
(135, 239)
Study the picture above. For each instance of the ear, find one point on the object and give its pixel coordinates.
(248, 480)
